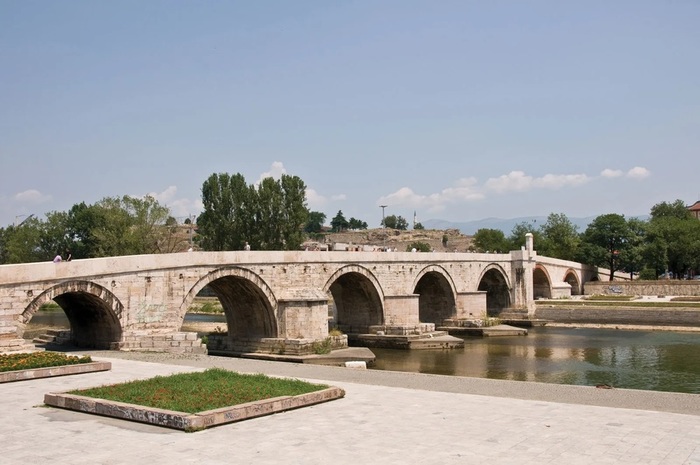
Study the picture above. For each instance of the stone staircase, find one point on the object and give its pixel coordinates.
(53, 337)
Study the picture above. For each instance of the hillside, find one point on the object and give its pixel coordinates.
(399, 240)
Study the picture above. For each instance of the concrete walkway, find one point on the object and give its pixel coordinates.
(385, 418)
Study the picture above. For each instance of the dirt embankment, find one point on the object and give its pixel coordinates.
(400, 240)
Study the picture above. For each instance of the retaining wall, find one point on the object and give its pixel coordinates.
(622, 316)
(660, 287)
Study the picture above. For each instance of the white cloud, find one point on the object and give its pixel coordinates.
(608, 173)
(638, 172)
(465, 190)
(32, 197)
(317, 201)
(518, 181)
(179, 207)
(276, 171)
(168, 195)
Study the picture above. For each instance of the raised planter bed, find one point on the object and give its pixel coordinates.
(47, 372)
(190, 421)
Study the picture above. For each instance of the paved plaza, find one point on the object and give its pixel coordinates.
(385, 418)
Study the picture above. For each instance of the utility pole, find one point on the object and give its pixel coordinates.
(383, 225)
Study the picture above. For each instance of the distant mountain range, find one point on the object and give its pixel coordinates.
(505, 225)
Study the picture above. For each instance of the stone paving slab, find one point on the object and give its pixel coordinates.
(372, 424)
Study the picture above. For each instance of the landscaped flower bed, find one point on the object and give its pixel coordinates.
(24, 366)
(194, 401)
(27, 361)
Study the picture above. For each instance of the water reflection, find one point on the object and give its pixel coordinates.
(661, 361)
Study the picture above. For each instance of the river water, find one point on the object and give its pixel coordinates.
(650, 360)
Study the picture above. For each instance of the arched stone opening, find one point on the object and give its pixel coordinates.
(572, 280)
(436, 300)
(497, 293)
(541, 285)
(358, 305)
(92, 311)
(249, 313)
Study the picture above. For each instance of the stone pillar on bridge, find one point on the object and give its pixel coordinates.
(401, 316)
(523, 267)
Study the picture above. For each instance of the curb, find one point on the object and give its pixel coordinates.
(48, 372)
(190, 421)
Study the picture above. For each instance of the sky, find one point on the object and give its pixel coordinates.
(452, 110)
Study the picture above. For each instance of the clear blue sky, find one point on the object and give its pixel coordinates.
(457, 110)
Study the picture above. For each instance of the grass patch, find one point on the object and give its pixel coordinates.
(209, 305)
(197, 392)
(689, 298)
(29, 361)
(603, 303)
(611, 297)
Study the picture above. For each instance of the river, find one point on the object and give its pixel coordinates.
(650, 360)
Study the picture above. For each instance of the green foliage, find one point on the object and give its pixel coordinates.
(356, 224)
(396, 222)
(339, 223)
(490, 240)
(200, 391)
(29, 361)
(559, 237)
(315, 222)
(322, 347)
(418, 226)
(606, 239)
(648, 274)
(419, 246)
(517, 236)
(271, 216)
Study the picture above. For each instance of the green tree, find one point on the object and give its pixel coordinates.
(354, 223)
(419, 246)
(559, 238)
(315, 222)
(339, 223)
(20, 242)
(396, 222)
(418, 226)
(224, 222)
(490, 240)
(676, 209)
(606, 239)
(295, 213)
(517, 235)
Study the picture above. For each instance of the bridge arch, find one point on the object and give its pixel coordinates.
(494, 282)
(572, 279)
(541, 283)
(436, 290)
(248, 302)
(357, 297)
(94, 313)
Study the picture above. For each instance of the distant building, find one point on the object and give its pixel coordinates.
(694, 210)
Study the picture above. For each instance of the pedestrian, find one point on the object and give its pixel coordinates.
(247, 246)
(58, 258)
(69, 256)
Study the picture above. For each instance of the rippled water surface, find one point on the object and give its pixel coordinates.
(659, 361)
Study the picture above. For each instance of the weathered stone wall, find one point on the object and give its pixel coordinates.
(621, 316)
(653, 288)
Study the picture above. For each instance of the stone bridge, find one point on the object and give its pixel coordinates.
(279, 302)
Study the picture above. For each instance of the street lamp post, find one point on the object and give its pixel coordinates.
(383, 225)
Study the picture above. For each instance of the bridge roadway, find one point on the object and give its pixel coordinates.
(280, 302)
